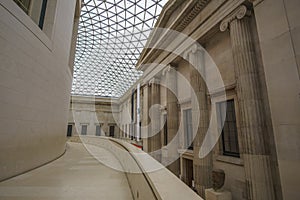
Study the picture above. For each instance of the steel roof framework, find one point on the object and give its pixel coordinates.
(111, 37)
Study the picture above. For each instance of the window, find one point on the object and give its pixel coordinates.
(188, 128)
(24, 5)
(229, 137)
(140, 129)
(83, 129)
(165, 131)
(69, 131)
(98, 130)
(36, 9)
(111, 131)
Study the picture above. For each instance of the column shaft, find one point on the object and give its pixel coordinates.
(172, 120)
(155, 139)
(145, 117)
(203, 166)
(253, 127)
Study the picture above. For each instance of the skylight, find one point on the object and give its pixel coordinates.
(111, 37)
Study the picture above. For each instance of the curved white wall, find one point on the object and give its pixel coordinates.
(35, 84)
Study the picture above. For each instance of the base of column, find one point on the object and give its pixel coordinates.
(211, 194)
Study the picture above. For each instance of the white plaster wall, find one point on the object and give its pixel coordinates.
(35, 84)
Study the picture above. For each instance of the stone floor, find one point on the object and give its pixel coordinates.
(76, 175)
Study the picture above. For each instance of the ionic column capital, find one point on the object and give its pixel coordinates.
(238, 13)
(154, 80)
(195, 48)
(169, 68)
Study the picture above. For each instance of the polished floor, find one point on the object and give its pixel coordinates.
(76, 175)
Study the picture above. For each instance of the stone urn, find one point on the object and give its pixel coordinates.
(218, 179)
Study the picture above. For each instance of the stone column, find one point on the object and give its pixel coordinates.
(172, 119)
(200, 115)
(253, 128)
(145, 117)
(155, 139)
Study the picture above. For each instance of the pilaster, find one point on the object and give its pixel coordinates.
(203, 166)
(145, 117)
(155, 134)
(172, 119)
(253, 128)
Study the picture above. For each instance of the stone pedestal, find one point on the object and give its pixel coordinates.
(210, 194)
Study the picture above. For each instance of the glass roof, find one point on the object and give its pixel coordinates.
(111, 37)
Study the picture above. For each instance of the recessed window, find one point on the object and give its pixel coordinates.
(111, 131)
(24, 5)
(69, 131)
(230, 145)
(165, 131)
(98, 130)
(36, 9)
(83, 129)
(188, 128)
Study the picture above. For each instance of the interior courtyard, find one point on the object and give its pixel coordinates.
(150, 99)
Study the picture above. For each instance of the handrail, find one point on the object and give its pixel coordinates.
(154, 191)
(137, 185)
(142, 170)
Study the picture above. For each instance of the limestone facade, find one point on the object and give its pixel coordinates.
(97, 115)
(254, 45)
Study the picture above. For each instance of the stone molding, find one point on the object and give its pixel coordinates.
(191, 15)
(239, 13)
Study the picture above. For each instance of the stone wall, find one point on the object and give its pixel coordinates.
(35, 85)
(254, 45)
(93, 111)
(280, 50)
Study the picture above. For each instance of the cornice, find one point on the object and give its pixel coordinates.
(191, 9)
(167, 11)
(163, 18)
(213, 15)
(200, 4)
(93, 100)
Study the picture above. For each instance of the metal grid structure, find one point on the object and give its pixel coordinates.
(111, 37)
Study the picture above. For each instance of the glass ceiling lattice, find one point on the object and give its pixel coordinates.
(111, 37)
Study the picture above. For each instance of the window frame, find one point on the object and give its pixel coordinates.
(188, 137)
(22, 6)
(84, 125)
(165, 130)
(109, 129)
(223, 150)
(96, 133)
(69, 130)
